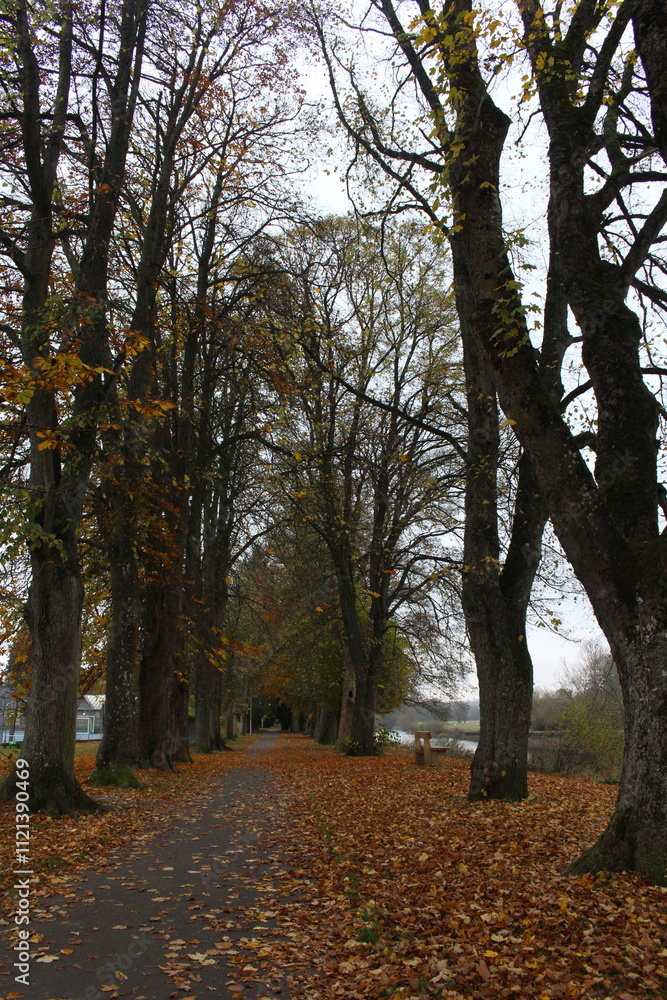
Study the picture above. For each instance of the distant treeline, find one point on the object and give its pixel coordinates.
(433, 715)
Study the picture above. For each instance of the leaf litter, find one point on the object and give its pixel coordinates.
(380, 880)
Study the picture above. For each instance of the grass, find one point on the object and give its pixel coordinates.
(470, 726)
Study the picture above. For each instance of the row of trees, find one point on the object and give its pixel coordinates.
(600, 101)
(189, 363)
(194, 365)
(145, 154)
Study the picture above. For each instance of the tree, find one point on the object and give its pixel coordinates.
(233, 511)
(60, 137)
(289, 618)
(376, 485)
(497, 578)
(607, 519)
(209, 129)
(289, 624)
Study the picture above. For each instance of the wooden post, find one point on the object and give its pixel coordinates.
(423, 753)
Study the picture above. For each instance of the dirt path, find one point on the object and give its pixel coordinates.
(178, 916)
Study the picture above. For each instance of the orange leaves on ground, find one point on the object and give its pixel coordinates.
(416, 892)
(382, 881)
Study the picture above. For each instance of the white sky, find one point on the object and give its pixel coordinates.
(550, 650)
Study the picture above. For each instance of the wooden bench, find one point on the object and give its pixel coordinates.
(425, 754)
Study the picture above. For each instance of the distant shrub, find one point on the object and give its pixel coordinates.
(590, 738)
(385, 738)
(349, 747)
(582, 722)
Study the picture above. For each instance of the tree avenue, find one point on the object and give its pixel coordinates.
(304, 464)
(102, 154)
(374, 482)
(41, 110)
(602, 108)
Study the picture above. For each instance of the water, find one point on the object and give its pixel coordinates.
(408, 739)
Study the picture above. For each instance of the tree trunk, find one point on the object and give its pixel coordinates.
(361, 676)
(203, 736)
(347, 700)
(495, 600)
(326, 729)
(157, 664)
(319, 719)
(177, 726)
(54, 616)
(208, 694)
(230, 732)
(356, 729)
(363, 719)
(636, 836)
(214, 712)
(118, 753)
(499, 768)
(650, 28)
(329, 728)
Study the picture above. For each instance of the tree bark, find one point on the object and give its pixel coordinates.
(230, 731)
(208, 697)
(155, 671)
(179, 699)
(326, 726)
(494, 599)
(347, 697)
(118, 753)
(636, 836)
(54, 616)
(649, 19)
(359, 698)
